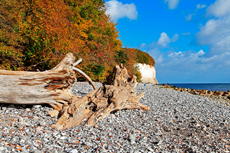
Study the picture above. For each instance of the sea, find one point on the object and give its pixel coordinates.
(205, 86)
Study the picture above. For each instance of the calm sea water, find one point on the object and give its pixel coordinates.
(206, 86)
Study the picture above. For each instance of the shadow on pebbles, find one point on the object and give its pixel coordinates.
(176, 122)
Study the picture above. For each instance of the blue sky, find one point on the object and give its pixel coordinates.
(189, 39)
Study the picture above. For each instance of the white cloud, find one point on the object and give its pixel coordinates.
(200, 53)
(189, 17)
(142, 45)
(216, 34)
(199, 65)
(186, 33)
(117, 10)
(156, 54)
(175, 38)
(164, 40)
(199, 6)
(176, 54)
(219, 8)
(172, 4)
(192, 66)
(189, 66)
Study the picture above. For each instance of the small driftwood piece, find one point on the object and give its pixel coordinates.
(49, 87)
(98, 104)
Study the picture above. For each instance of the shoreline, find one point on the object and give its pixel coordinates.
(220, 97)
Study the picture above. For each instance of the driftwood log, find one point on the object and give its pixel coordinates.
(53, 87)
(49, 87)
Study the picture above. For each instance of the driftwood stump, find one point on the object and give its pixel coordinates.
(54, 88)
(98, 104)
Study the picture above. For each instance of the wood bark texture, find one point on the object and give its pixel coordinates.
(98, 104)
(49, 87)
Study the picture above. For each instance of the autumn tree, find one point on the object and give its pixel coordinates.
(143, 57)
(37, 35)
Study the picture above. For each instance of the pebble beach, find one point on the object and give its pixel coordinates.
(176, 122)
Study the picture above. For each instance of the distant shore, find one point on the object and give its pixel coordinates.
(199, 86)
(220, 96)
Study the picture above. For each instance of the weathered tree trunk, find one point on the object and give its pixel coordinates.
(53, 87)
(49, 87)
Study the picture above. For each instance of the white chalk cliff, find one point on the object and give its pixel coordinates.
(148, 73)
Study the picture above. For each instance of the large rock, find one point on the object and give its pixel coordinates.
(203, 92)
(148, 73)
(226, 93)
(218, 93)
(209, 93)
(193, 91)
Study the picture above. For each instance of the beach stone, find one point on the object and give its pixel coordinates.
(203, 92)
(2, 149)
(218, 93)
(226, 93)
(20, 119)
(36, 118)
(53, 151)
(42, 123)
(24, 150)
(183, 90)
(36, 151)
(38, 129)
(11, 107)
(193, 91)
(53, 113)
(3, 108)
(37, 106)
(209, 93)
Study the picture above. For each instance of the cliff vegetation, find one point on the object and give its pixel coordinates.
(38, 34)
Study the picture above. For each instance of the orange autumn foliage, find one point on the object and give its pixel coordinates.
(37, 35)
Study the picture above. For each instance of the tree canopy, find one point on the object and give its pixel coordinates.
(36, 34)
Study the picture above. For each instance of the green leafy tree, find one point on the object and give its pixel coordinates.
(122, 57)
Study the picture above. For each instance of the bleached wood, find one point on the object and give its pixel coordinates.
(53, 87)
(86, 76)
(76, 63)
(49, 87)
(98, 104)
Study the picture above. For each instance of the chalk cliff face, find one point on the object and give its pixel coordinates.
(148, 73)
